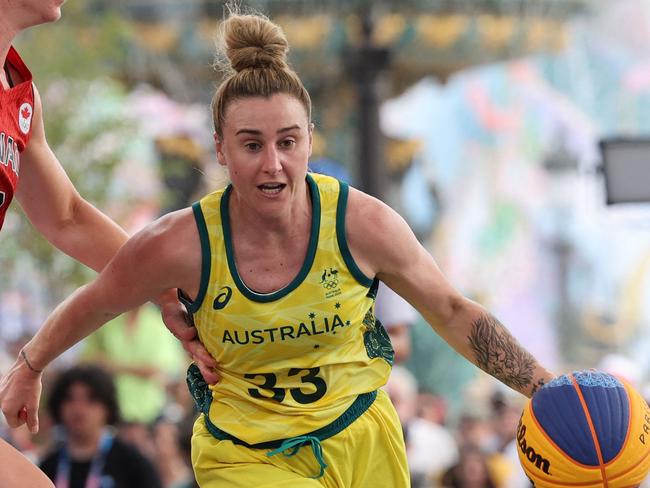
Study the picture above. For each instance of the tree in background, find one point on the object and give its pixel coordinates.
(74, 64)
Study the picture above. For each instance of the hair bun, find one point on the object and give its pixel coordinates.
(252, 41)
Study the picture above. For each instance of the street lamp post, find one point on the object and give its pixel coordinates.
(365, 65)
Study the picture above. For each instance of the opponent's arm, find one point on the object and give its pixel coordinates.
(56, 209)
(383, 245)
(152, 261)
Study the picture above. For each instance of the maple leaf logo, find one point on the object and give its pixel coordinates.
(25, 112)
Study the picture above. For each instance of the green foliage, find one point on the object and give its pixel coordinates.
(73, 63)
(78, 46)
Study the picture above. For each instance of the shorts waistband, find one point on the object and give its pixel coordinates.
(354, 411)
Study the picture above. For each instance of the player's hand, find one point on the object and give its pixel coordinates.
(176, 319)
(20, 393)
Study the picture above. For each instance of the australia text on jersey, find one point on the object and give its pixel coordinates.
(9, 152)
(326, 325)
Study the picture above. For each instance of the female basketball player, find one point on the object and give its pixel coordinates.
(46, 194)
(280, 271)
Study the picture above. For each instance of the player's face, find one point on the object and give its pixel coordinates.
(266, 144)
(82, 416)
(27, 13)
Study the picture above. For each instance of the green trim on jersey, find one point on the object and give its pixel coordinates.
(372, 292)
(206, 258)
(343, 243)
(306, 266)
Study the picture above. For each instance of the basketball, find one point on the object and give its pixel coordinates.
(587, 429)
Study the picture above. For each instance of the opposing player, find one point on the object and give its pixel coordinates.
(30, 172)
(280, 270)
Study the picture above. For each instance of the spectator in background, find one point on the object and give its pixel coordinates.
(474, 428)
(173, 453)
(142, 356)
(471, 471)
(397, 316)
(430, 448)
(84, 406)
(504, 461)
(432, 407)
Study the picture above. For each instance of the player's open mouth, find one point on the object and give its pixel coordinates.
(271, 188)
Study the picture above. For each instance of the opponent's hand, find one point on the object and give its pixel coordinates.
(20, 394)
(177, 320)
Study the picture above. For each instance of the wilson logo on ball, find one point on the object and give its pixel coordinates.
(537, 459)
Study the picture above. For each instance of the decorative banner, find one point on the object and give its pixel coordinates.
(158, 38)
(400, 154)
(544, 33)
(496, 32)
(441, 31)
(389, 29)
(353, 29)
(208, 29)
(308, 32)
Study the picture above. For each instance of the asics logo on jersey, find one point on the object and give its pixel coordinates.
(2, 198)
(222, 299)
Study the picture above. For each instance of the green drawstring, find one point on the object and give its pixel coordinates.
(295, 443)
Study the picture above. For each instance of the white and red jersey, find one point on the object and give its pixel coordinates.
(16, 111)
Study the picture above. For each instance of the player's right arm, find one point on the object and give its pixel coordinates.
(164, 255)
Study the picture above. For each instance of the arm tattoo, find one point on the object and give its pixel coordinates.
(499, 354)
(537, 386)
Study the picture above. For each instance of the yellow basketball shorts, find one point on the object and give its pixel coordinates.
(369, 452)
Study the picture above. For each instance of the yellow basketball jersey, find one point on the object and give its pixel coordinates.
(291, 361)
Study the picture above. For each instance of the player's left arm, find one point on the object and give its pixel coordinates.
(383, 245)
(56, 209)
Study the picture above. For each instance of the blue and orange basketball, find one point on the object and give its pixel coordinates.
(587, 429)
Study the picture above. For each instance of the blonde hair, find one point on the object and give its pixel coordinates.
(252, 52)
